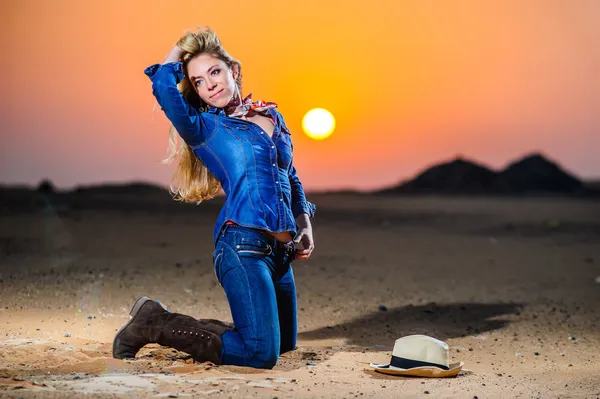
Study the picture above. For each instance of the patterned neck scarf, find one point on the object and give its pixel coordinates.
(235, 109)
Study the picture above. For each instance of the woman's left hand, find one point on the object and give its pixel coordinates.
(304, 237)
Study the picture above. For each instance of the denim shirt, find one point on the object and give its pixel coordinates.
(260, 182)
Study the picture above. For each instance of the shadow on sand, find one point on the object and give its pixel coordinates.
(440, 321)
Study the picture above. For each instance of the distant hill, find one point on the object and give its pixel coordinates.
(593, 185)
(122, 197)
(104, 196)
(124, 188)
(457, 176)
(47, 187)
(536, 174)
(533, 174)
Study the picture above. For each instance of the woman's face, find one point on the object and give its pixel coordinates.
(213, 80)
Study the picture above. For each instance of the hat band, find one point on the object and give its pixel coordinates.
(404, 363)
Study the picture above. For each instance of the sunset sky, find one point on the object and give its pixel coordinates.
(410, 83)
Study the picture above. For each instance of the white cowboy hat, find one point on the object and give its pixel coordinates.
(420, 356)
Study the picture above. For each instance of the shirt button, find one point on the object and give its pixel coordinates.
(273, 164)
(262, 132)
(276, 182)
(272, 146)
(280, 199)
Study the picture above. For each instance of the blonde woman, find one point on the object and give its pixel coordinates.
(244, 147)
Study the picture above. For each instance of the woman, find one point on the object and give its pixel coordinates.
(245, 148)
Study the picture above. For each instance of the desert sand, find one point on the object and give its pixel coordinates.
(511, 284)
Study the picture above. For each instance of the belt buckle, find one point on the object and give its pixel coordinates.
(289, 247)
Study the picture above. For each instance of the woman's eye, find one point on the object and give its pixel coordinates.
(216, 71)
(198, 82)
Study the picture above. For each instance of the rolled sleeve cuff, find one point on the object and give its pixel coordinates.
(173, 67)
(304, 207)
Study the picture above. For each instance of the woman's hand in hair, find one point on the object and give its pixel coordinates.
(174, 55)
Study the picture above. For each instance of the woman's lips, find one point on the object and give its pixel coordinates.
(217, 93)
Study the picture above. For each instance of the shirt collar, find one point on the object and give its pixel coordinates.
(221, 111)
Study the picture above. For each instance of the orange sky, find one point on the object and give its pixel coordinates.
(409, 82)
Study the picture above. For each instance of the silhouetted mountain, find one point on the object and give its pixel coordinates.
(536, 174)
(125, 196)
(532, 174)
(457, 176)
(593, 185)
(125, 188)
(46, 187)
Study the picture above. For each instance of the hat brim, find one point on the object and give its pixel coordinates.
(425, 371)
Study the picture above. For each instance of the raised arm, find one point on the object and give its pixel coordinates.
(190, 124)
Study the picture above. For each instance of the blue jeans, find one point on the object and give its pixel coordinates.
(255, 271)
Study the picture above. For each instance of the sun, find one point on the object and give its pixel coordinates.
(318, 123)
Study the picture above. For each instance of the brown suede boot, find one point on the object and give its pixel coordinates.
(151, 322)
(136, 332)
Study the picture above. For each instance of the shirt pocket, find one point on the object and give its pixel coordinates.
(284, 150)
(239, 130)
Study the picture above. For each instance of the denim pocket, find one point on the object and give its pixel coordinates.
(240, 130)
(284, 153)
(217, 260)
(251, 246)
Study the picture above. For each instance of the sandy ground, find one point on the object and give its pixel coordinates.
(511, 284)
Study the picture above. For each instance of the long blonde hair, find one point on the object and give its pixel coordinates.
(192, 181)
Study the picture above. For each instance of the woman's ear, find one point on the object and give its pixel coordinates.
(235, 70)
